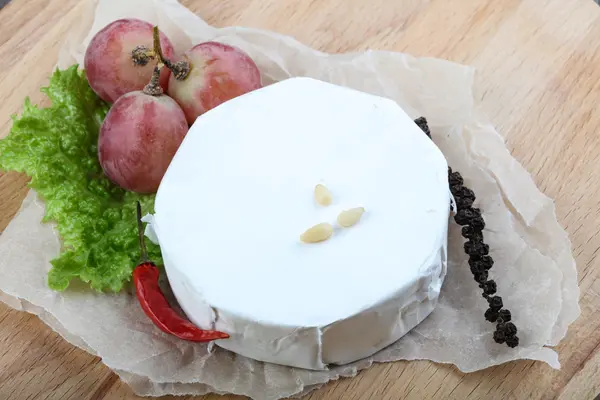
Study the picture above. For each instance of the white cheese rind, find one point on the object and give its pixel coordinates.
(239, 192)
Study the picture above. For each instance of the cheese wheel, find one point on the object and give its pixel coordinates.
(239, 193)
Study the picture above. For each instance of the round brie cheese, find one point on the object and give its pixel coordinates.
(239, 193)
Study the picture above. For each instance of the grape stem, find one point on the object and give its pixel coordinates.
(157, 47)
(153, 87)
(180, 69)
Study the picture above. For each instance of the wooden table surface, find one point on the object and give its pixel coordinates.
(539, 79)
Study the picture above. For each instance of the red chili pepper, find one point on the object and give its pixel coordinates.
(155, 304)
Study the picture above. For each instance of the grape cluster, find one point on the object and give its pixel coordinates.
(154, 100)
(480, 262)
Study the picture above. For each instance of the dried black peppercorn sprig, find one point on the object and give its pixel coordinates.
(422, 123)
(479, 260)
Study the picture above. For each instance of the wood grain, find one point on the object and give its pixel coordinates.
(538, 77)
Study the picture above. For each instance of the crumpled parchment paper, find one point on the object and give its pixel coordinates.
(534, 268)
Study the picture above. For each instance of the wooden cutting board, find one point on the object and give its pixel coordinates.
(538, 76)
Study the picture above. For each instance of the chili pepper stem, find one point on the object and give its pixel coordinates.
(143, 250)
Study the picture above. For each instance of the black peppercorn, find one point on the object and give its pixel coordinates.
(510, 329)
(490, 288)
(477, 223)
(481, 277)
(467, 193)
(512, 341)
(422, 123)
(465, 216)
(459, 191)
(478, 249)
(487, 262)
(495, 302)
(491, 315)
(476, 261)
(476, 268)
(483, 262)
(499, 337)
(464, 202)
(504, 315)
(469, 233)
(460, 218)
(455, 178)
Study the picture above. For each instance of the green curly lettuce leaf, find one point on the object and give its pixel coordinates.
(57, 147)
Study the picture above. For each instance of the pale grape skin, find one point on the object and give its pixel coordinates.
(108, 63)
(138, 139)
(218, 73)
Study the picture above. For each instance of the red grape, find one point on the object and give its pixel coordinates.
(109, 64)
(218, 72)
(139, 138)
